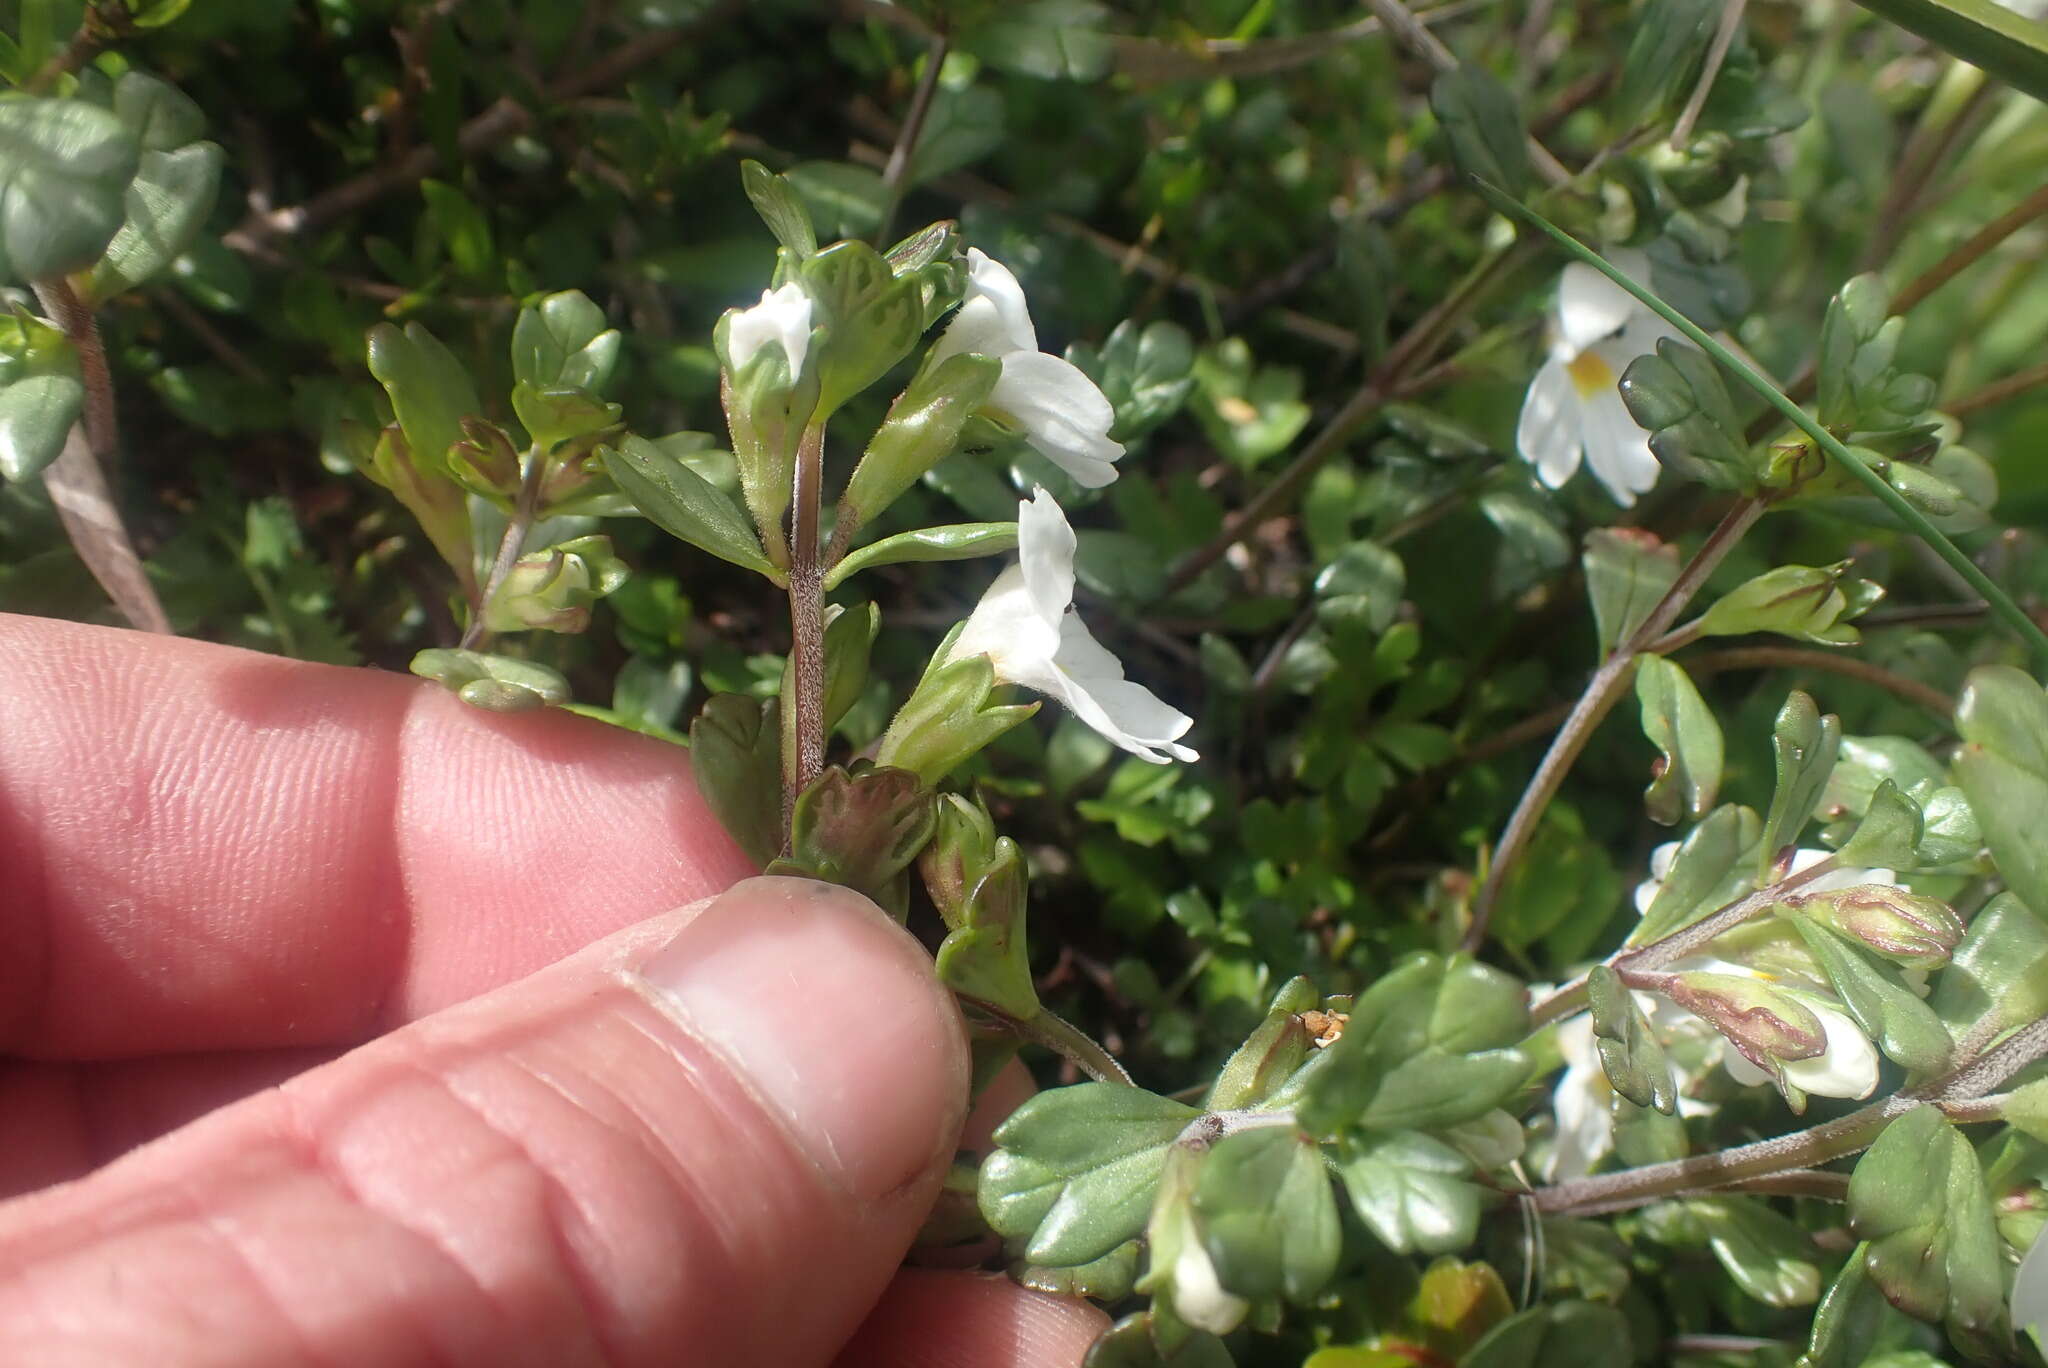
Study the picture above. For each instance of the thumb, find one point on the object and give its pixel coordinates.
(707, 1139)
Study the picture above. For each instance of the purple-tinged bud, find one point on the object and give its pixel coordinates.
(1914, 931)
(1766, 1025)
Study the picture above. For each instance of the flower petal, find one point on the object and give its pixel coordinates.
(1062, 412)
(1547, 436)
(1847, 1067)
(1092, 685)
(782, 316)
(1590, 306)
(993, 318)
(1617, 448)
(1045, 552)
(1007, 627)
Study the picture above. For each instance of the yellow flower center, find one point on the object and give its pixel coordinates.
(1590, 374)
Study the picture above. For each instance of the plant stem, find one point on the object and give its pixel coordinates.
(95, 27)
(807, 615)
(77, 479)
(524, 509)
(1601, 693)
(898, 170)
(1679, 943)
(1070, 1042)
(1916, 521)
(1724, 38)
(1971, 250)
(1998, 391)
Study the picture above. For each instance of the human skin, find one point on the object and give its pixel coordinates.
(343, 1022)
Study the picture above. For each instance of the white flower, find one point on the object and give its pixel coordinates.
(1573, 410)
(1059, 409)
(782, 316)
(2030, 1291)
(1198, 1294)
(1846, 1067)
(1026, 626)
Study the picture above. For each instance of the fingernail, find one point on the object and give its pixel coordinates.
(830, 1015)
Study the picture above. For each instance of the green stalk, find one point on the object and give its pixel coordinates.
(2001, 603)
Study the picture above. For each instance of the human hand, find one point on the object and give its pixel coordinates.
(705, 1137)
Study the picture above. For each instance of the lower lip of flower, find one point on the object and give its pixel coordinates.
(1590, 375)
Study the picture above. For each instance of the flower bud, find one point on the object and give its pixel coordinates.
(1182, 1270)
(552, 590)
(1914, 931)
(1767, 1025)
(783, 316)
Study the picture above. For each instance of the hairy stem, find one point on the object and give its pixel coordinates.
(1073, 1044)
(1601, 693)
(807, 616)
(525, 508)
(77, 479)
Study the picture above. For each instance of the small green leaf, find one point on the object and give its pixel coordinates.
(1807, 603)
(492, 682)
(736, 759)
(563, 343)
(1709, 871)
(780, 207)
(922, 428)
(167, 203)
(64, 171)
(1853, 1320)
(1860, 388)
(1768, 1256)
(463, 228)
(1364, 583)
(1682, 727)
(1267, 1215)
(1146, 373)
(1411, 1191)
(1804, 744)
(1890, 1013)
(1074, 1169)
(1889, 834)
(977, 881)
(867, 319)
(860, 828)
(1483, 127)
(1998, 979)
(685, 504)
(1630, 1054)
(1571, 1334)
(430, 391)
(2003, 767)
(158, 115)
(948, 717)
(958, 541)
(1049, 40)
(36, 414)
(1679, 397)
(1627, 572)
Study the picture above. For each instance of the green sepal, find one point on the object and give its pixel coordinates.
(685, 504)
(1074, 1170)
(1910, 929)
(494, 683)
(1803, 743)
(866, 319)
(1683, 728)
(564, 423)
(977, 882)
(1807, 603)
(860, 828)
(1630, 1054)
(948, 716)
(736, 759)
(552, 589)
(957, 541)
(1269, 1055)
(922, 429)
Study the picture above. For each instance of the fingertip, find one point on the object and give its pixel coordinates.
(933, 1319)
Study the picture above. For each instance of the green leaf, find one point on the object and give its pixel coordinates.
(167, 203)
(1106, 1279)
(780, 207)
(1679, 397)
(562, 343)
(977, 882)
(1267, 1215)
(1051, 40)
(1273, 1051)
(1146, 373)
(685, 504)
(1890, 1013)
(64, 171)
(1364, 583)
(849, 200)
(1807, 603)
(923, 427)
(1140, 1341)
(1482, 126)
(1669, 38)
(736, 759)
(867, 319)
(36, 414)
(1074, 1169)
(1860, 389)
(1803, 743)
(463, 229)
(1889, 834)
(1411, 1191)
(1998, 979)
(1979, 32)
(1679, 724)
(1708, 872)
(1251, 412)
(1853, 1320)
(1917, 1197)
(430, 391)
(1768, 1256)
(158, 115)
(1572, 1334)
(1630, 1054)
(2003, 767)
(1627, 572)
(948, 716)
(492, 682)
(959, 541)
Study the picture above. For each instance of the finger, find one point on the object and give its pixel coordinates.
(708, 1138)
(206, 848)
(933, 1319)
